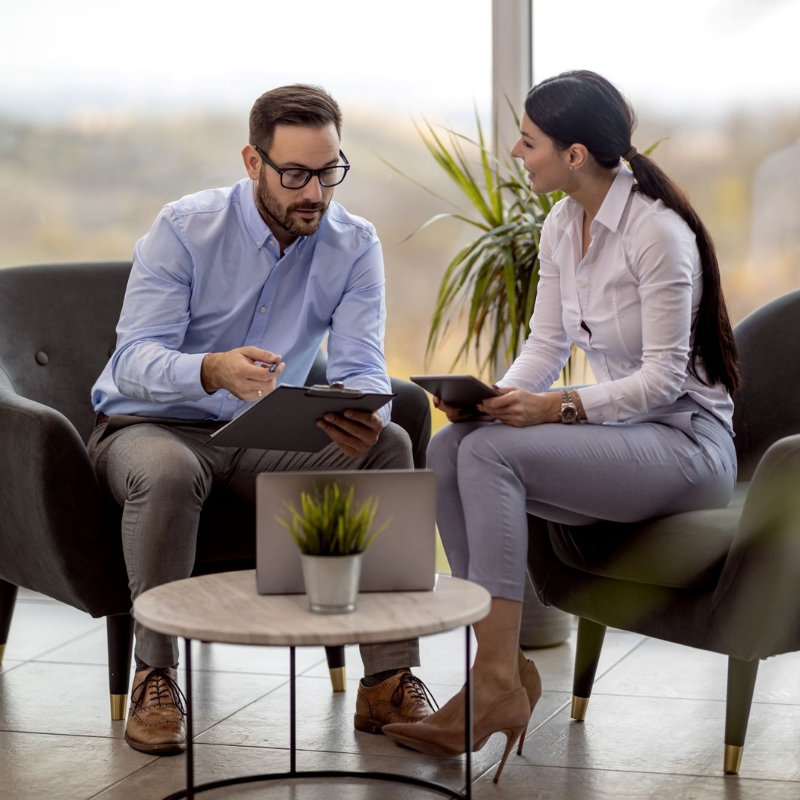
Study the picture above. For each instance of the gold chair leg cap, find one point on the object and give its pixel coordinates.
(119, 703)
(2, 651)
(733, 758)
(579, 707)
(339, 678)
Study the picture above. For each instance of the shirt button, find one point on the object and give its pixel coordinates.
(601, 417)
(582, 284)
(258, 244)
(230, 396)
(263, 309)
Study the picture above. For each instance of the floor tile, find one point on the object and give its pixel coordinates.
(265, 660)
(213, 762)
(325, 722)
(442, 658)
(42, 767)
(663, 669)
(73, 699)
(37, 628)
(92, 649)
(556, 664)
(27, 595)
(668, 736)
(551, 783)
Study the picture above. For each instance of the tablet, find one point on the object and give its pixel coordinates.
(286, 419)
(459, 391)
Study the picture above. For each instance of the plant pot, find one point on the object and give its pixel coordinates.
(332, 582)
(542, 626)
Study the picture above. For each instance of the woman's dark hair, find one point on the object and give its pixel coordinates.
(299, 104)
(582, 107)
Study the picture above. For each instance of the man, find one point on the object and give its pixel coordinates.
(229, 285)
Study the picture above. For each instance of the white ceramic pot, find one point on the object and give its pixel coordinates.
(332, 582)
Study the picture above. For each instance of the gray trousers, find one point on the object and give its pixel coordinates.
(489, 475)
(161, 472)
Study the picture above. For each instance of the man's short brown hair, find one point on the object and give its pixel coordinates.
(299, 104)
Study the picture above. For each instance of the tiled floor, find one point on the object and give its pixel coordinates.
(654, 728)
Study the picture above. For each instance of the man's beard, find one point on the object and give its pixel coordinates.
(272, 211)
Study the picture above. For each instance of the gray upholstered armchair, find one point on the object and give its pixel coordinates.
(59, 534)
(726, 580)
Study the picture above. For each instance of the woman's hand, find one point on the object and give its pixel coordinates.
(459, 414)
(519, 408)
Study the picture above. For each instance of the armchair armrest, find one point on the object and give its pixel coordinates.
(56, 535)
(759, 587)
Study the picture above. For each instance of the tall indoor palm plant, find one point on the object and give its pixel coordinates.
(493, 279)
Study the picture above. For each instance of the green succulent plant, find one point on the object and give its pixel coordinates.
(331, 523)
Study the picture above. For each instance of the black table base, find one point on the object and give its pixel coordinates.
(294, 774)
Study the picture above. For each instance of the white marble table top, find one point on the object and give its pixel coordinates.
(225, 607)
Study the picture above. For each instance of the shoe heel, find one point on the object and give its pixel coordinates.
(511, 739)
(366, 725)
(522, 740)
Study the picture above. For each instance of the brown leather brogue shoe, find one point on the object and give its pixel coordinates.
(401, 698)
(157, 716)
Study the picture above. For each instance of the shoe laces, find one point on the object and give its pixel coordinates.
(164, 690)
(415, 688)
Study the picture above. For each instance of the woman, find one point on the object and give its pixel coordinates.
(629, 274)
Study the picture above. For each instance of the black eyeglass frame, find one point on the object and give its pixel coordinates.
(310, 173)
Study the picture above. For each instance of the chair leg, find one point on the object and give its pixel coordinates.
(741, 683)
(119, 631)
(590, 645)
(336, 667)
(8, 596)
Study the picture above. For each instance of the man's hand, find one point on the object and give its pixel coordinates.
(519, 408)
(354, 431)
(245, 372)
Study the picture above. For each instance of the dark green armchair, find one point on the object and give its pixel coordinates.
(59, 533)
(725, 580)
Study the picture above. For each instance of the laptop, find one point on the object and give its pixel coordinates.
(401, 558)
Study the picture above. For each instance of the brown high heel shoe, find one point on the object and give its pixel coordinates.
(508, 714)
(532, 684)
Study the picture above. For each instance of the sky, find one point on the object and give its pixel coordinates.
(416, 56)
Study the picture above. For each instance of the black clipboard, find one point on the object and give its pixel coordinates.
(286, 419)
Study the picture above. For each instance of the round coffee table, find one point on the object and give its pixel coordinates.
(226, 608)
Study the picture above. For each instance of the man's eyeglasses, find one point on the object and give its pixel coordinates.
(296, 178)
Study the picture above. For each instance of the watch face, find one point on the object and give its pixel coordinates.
(569, 413)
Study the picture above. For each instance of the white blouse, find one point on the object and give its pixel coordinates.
(636, 292)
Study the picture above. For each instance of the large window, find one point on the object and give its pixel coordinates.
(108, 110)
(718, 79)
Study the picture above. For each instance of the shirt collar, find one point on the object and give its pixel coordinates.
(610, 211)
(258, 229)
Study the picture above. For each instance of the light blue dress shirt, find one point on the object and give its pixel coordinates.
(209, 277)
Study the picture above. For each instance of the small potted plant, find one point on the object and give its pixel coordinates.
(332, 532)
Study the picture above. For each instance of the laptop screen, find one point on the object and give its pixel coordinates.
(401, 558)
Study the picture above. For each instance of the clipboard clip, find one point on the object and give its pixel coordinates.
(335, 389)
